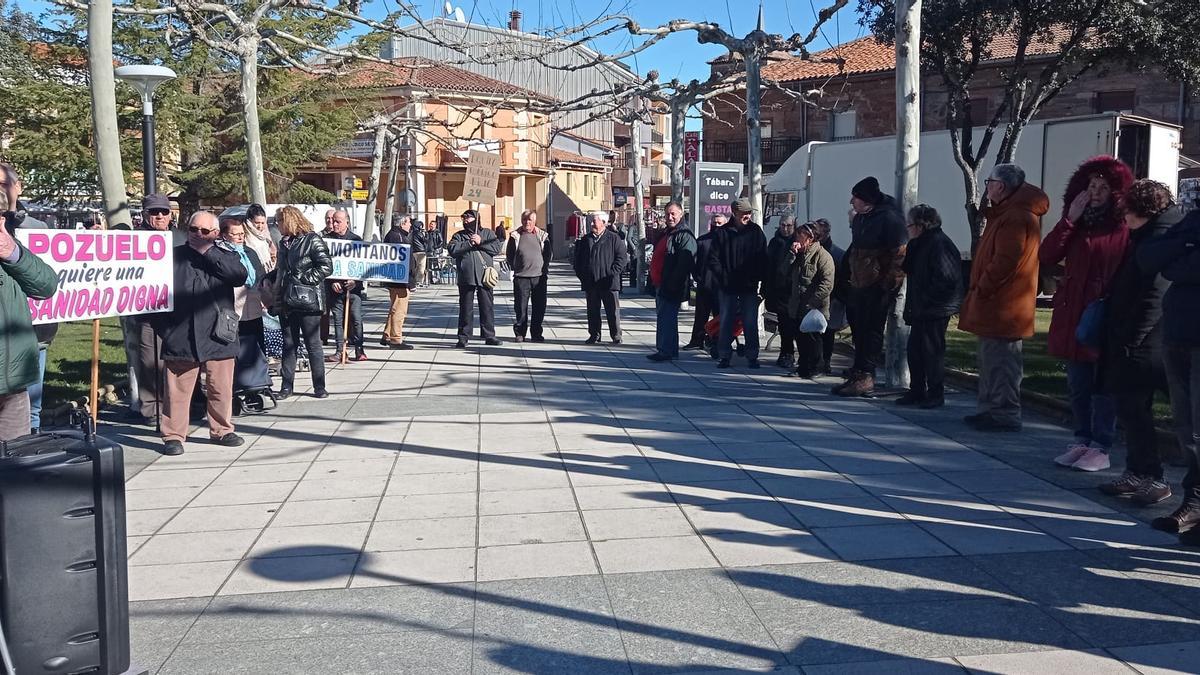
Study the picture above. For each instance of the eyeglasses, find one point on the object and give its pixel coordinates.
(200, 230)
(992, 180)
(159, 212)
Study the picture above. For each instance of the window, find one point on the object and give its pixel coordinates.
(1115, 101)
(587, 185)
(764, 127)
(845, 125)
(570, 181)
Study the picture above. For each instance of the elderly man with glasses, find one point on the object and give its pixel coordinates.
(201, 334)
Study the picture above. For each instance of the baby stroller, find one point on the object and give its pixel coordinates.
(712, 336)
(251, 377)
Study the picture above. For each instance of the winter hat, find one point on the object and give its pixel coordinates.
(472, 213)
(742, 206)
(867, 190)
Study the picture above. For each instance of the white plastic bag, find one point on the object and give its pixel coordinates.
(814, 322)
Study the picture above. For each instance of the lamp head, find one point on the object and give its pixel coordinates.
(145, 79)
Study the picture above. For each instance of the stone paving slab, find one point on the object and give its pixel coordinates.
(547, 508)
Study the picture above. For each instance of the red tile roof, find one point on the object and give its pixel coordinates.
(424, 73)
(563, 156)
(866, 55)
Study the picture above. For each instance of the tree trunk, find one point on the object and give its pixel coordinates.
(410, 175)
(373, 182)
(389, 204)
(252, 133)
(754, 133)
(908, 101)
(678, 124)
(104, 113)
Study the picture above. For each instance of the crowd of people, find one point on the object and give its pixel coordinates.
(1125, 321)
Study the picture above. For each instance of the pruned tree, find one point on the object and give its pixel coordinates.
(1054, 43)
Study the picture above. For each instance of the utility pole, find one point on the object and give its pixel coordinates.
(908, 164)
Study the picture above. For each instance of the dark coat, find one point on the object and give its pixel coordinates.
(777, 285)
(204, 283)
(399, 236)
(1176, 256)
(933, 265)
(471, 259)
(876, 251)
(810, 276)
(701, 270)
(434, 241)
(677, 267)
(304, 260)
(359, 286)
(1131, 354)
(600, 262)
(739, 258)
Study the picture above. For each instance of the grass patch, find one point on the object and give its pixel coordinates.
(69, 360)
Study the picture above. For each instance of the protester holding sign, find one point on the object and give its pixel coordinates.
(473, 249)
(22, 275)
(402, 232)
(303, 265)
(201, 333)
(347, 292)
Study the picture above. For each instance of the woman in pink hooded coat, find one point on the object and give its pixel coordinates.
(1089, 242)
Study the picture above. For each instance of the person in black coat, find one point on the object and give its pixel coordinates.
(1131, 366)
(706, 291)
(739, 264)
(402, 232)
(600, 260)
(1176, 256)
(343, 292)
(670, 271)
(201, 333)
(933, 265)
(473, 249)
(777, 289)
(303, 264)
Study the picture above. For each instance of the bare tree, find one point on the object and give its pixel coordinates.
(104, 111)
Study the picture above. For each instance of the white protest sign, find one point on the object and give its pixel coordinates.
(483, 175)
(369, 262)
(103, 273)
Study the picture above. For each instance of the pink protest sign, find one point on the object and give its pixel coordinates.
(103, 273)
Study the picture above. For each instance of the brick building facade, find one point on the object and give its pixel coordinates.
(859, 102)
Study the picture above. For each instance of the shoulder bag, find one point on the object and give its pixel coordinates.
(490, 276)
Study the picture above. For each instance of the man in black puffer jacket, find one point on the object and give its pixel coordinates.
(670, 270)
(777, 289)
(739, 264)
(600, 260)
(935, 289)
(873, 263)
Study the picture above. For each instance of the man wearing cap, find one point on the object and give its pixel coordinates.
(878, 235)
(600, 260)
(739, 264)
(473, 249)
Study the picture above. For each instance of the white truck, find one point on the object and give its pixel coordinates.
(815, 181)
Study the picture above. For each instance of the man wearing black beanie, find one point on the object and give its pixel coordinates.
(872, 276)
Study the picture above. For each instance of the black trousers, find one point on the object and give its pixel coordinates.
(827, 339)
(810, 348)
(526, 289)
(337, 316)
(1135, 412)
(704, 311)
(867, 310)
(789, 331)
(612, 310)
(927, 357)
(294, 327)
(466, 311)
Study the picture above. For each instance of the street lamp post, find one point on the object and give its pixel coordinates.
(146, 79)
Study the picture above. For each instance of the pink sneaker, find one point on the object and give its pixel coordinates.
(1092, 460)
(1072, 455)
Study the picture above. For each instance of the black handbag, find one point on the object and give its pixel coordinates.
(225, 330)
(299, 297)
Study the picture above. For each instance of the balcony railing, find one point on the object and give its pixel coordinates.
(775, 151)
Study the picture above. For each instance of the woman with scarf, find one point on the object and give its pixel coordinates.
(250, 369)
(258, 235)
(1089, 242)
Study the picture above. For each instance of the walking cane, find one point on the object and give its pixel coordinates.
(346, 329)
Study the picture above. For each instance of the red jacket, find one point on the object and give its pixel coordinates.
(1090, 258)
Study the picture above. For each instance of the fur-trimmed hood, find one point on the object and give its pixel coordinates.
(1117, 173)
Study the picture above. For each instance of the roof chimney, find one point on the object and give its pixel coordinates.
(514, 20)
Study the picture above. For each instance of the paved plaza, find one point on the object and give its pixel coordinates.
(557, 508)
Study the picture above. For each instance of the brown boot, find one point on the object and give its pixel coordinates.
(863, 384)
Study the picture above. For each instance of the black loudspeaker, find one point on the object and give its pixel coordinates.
(64, 599)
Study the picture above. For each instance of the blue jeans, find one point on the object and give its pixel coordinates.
(666, 334)
(1094, 412)
(731, 306)
(35, 392)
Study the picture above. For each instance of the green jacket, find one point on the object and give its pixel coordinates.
(27, 277)
(811, 281)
